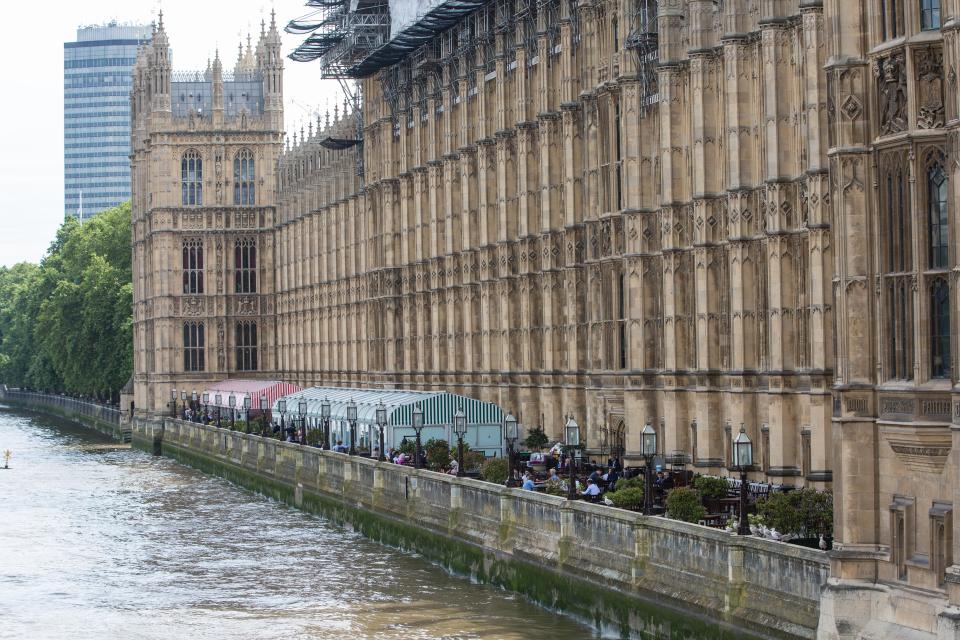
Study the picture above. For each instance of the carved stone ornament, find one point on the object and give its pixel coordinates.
(892, 88)
(929, 88)
(193, 306)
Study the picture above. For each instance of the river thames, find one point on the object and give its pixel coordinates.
(101, 541)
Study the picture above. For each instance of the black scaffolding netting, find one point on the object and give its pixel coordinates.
(315, 46)
(408, 40)
(338, 144)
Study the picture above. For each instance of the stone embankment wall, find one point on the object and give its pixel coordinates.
(621, 570)
(107, 420)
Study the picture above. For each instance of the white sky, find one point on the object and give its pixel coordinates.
(31, 103)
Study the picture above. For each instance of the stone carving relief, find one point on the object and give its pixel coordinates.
(892, 88)
(929, 88)
(193, 306)
(219, 266)
(246, 306)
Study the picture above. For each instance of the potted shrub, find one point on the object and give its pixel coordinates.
(494, 470)
(536, 439)
(712, 490)
(683, 503)
(438, 454)
(629, 498)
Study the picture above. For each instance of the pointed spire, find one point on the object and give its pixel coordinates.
(294, 137)
(160, 26)
(310, 129)
(336, 112)
(319, 122)
(328, 118)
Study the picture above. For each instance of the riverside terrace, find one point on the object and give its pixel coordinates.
(394, 424)
(591, 560)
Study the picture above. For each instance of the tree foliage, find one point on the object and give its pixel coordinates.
(66, 324)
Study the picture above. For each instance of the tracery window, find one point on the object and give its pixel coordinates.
(937, 216)
(243, 178)
(191, 178)
(245, 266)
(899, 278)
(193, 266)
(246, 340)
(940, 329)
(193, 346)
(929, 14)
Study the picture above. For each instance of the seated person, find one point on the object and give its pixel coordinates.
(611, 477)
(592, 490)
(528, 482)
(595, 476)
(340, 447)
(553, 475)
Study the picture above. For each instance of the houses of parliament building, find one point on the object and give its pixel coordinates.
(691, 214)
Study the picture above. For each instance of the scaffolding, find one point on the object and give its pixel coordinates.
(642, 41)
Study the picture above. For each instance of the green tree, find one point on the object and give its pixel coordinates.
(66, 324)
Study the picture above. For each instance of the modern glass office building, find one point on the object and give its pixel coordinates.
(96, 116)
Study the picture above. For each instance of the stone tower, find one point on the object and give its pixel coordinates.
(204, 145)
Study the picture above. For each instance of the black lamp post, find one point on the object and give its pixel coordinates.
(206, 405)
(460, 429)
(742, 459)
(325, 416)
(572, 437)
(263, 414)
(648, 448)
(218, 400)
(282, 408)
(510, 434)
(417, 427)
(381, 423)
(302, 410)
(232, 401)
(183, 399)
(246, 413)
(193, 400)
(352, 421)
(173, 400)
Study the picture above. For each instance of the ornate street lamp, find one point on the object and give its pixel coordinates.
(246, 412)
(193, 400)
(282, 408)
(352, 421)
(381, 424)
(417, 427)
(232, 401)
(572, 440)
(302, 410)
(460, 429)
(183, 399)
(648, 449)
(263, 414)
(510, 434)
(173, 399)
(325, 416)
(218, 401)
(206, 405)
(742, 459)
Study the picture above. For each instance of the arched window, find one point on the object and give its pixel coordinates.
(940, 329)
(194, 342)
(243, 178)
(245, 266)
(246, 339)
(191, 178)
(193, 266)
(937, 215)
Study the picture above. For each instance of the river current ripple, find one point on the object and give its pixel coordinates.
(103, 542)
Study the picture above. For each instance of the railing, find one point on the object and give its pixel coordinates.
(103, 412)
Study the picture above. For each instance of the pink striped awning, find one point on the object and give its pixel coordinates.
(273, 389)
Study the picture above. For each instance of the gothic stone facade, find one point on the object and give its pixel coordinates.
(746, 219)
(204, 149)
